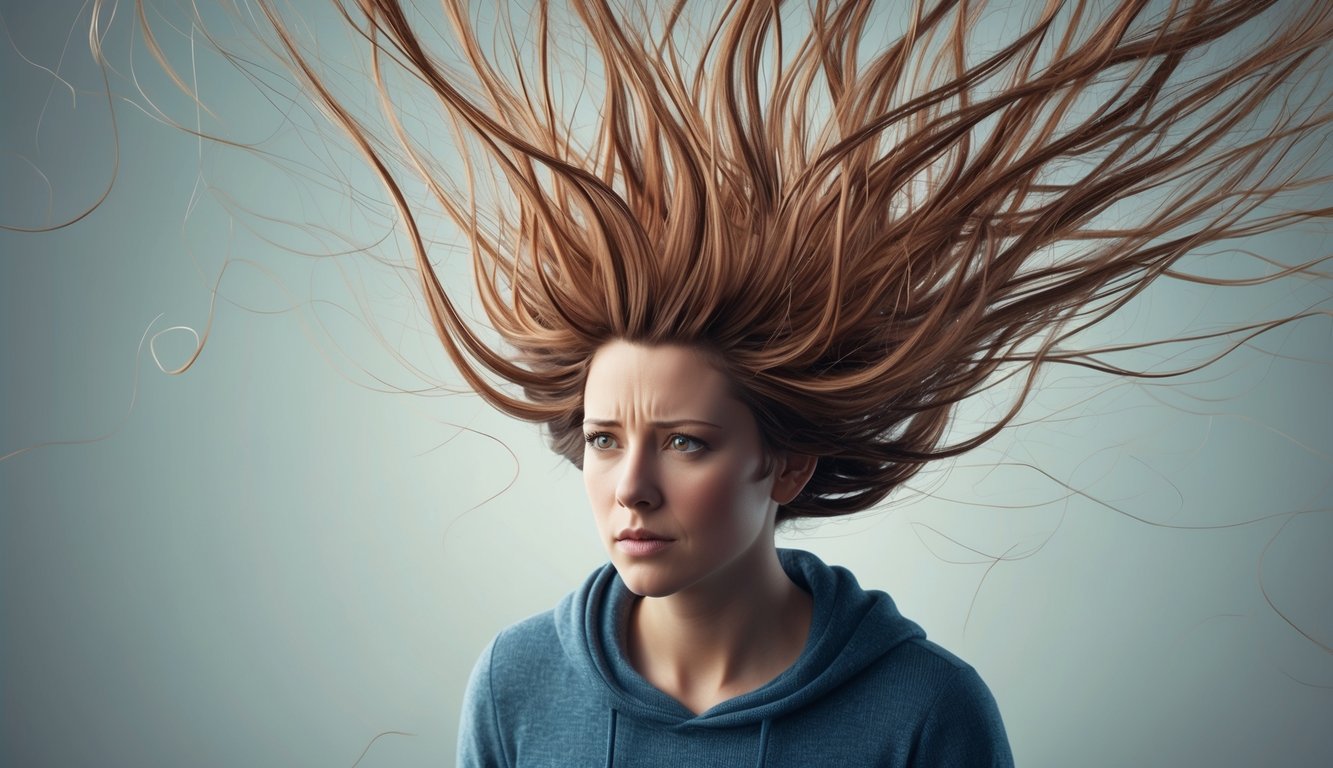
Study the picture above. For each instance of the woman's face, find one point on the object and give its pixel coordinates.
(673, 466)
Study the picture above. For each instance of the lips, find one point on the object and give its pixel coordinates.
(638, 542)
(641, 534)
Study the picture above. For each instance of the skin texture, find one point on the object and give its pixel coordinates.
(672, 455)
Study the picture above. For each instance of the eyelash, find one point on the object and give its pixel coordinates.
(590, 437)
(702, 446)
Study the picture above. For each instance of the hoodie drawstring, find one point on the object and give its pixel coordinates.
(763, 744)
(611, 742)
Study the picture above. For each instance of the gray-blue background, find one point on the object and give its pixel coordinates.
(277, 555)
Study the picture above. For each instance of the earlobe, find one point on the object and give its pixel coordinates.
(793, 473)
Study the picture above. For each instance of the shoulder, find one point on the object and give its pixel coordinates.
(929, 662)
(957, 719)
(914, 678)
(534, 634)
(509, 689)
(550, 649)
(521, 655)
(527, 694)
(951, 683)
(917, 704)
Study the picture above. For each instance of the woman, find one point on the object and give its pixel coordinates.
(701, 643)
(754, 290)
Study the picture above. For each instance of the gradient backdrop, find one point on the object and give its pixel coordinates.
(279, 554)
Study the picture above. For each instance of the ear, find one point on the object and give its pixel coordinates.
(793, 472)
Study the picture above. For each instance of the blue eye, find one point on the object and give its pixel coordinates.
(600, 441)
(685, 444)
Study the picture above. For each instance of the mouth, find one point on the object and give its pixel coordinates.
(641, 534)
(641, 543)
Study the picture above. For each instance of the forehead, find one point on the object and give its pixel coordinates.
(654, 382)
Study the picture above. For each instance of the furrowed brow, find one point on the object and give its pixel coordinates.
(672, 424)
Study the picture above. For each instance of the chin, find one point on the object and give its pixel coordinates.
(647, 579)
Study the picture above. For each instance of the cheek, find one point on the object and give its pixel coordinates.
(599, 486)
(721, 498)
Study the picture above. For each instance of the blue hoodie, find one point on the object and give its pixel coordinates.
(868, 689)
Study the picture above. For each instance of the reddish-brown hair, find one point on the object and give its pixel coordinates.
(864, 229)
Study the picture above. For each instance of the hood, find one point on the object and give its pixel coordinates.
(850, 629)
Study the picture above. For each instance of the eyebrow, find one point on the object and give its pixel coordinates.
(659, 424)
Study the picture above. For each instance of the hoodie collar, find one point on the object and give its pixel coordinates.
(849, 629)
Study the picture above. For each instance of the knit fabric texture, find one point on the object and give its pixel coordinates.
(868, 690)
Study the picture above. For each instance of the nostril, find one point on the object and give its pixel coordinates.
(638, 497)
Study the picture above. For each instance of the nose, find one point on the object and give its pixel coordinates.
(637, 487)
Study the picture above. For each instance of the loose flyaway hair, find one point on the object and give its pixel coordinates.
(863, 212)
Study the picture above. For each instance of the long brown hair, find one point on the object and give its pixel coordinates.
(864, 229)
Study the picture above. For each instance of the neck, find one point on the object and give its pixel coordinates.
(716, 641)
